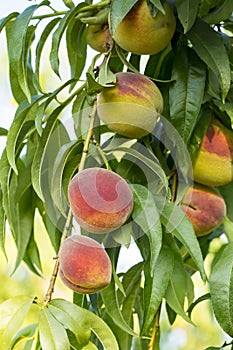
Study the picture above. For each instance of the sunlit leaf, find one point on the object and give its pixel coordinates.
(15, 323)
(221, 282)
(96, 324)
(51, 332)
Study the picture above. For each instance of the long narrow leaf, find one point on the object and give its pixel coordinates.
(187, 91)
(211, 49)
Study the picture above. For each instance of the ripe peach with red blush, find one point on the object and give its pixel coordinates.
(101, 200)
(213, 165)
(204, 207)
(85, 267)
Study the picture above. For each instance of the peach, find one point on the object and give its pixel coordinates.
(131, 107)
(213, 165)
(98, 37)
(85, 267)
(141, 33)
(204, 207)
(101, 200)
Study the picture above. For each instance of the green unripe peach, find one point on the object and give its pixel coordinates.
(98, 37)
(141, 33)
(213, 165)
(204, 207)
(85, 266)
(101, 200)
(131, 107)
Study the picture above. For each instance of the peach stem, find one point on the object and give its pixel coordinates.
(155, 330)
(48, 295)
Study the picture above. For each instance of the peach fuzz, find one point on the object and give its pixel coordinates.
(101, 200)
(132, 106)
(213, 165)
(204, 207)
(85, 267)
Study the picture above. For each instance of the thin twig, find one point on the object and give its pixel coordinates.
(48, 295)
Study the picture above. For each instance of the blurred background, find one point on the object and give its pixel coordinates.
(181, 336)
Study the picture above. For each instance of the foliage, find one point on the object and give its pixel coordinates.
(43, 151)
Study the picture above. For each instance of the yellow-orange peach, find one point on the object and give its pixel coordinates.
(98, 37)
(131, 107)
(204, 207)
(213, 165)
(141, 33)
(85, 266)
(101, 200)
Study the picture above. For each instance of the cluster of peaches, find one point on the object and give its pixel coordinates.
(102, 201)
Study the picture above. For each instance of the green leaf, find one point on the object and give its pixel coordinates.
(65, 153)
(187, 91)
(187, 13)
(109, 296)
(25, 335)
(180, 285)
(41, 110)
(211, 49)
(7, 19)
(19, 41)
(57, 36)
(196, 302)
(39, 48)
(225, 107)
(106, 76)
(135, 154)
(128, 300)
(3, 132)
(78, 326)
(156, 286)
(146, 215)
(219, 13)
(92, 86)
(15, 323)
(37, 164)
(85, 317)
(118, 10)
(76, 47)
(176, 222)
(5, 175)
(52, 334)
(158, 6)
(199, 131)
(228, 227)
(123, 58)
(80, 112)
(16, 132)
(24, 224)
(2, 224)
(207, 6)
(221, 288)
